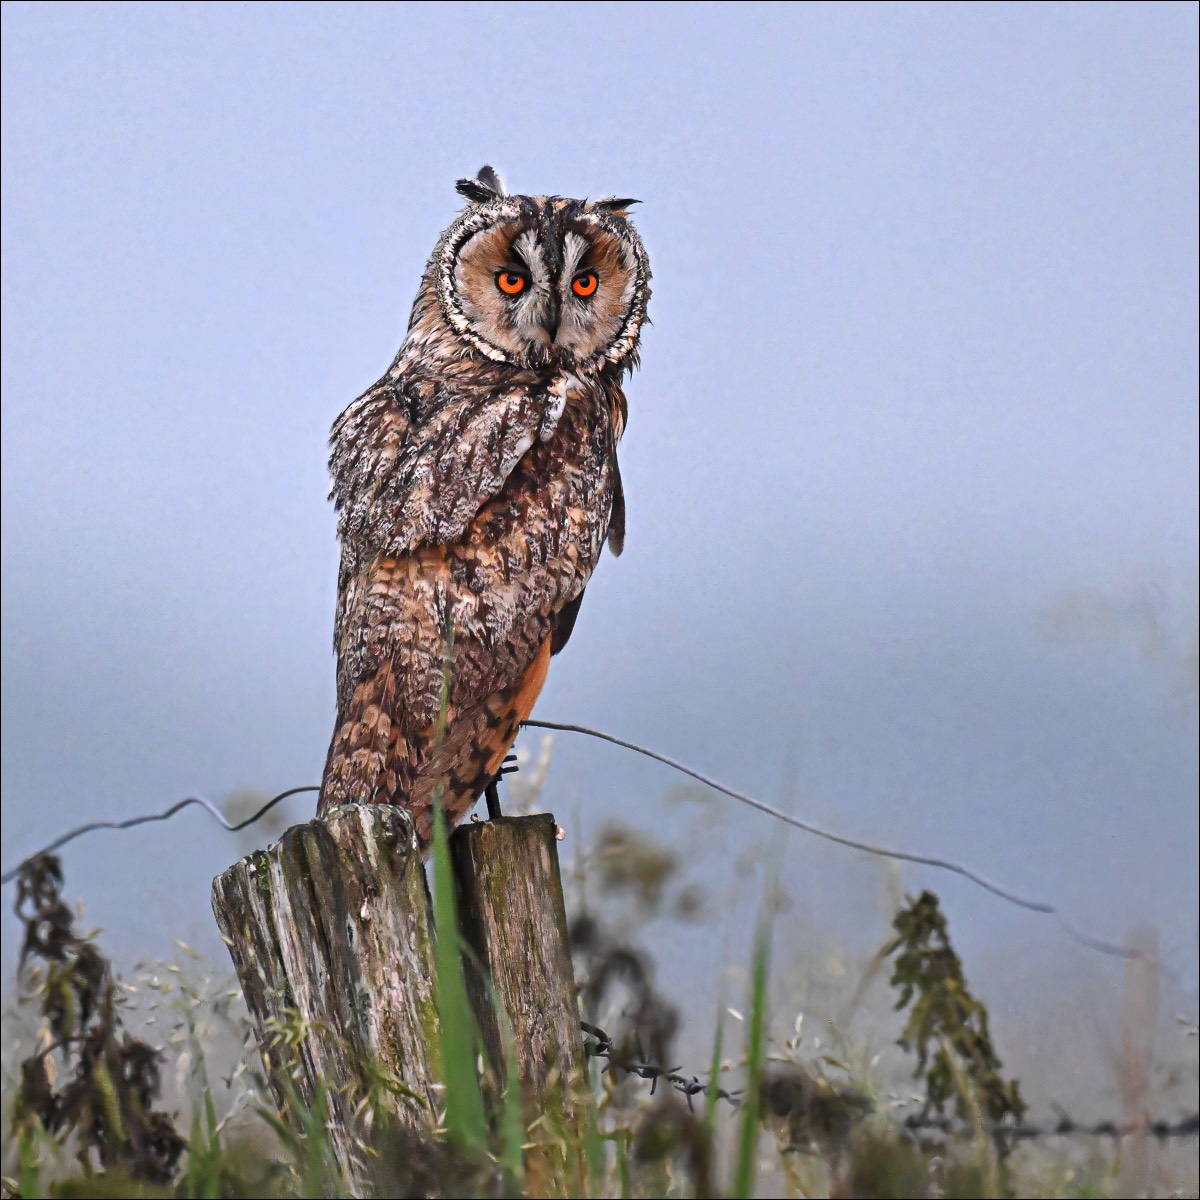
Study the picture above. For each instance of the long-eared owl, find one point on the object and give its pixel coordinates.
(476, 484)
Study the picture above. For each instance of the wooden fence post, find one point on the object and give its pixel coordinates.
(511, 910)
(331, 937)
(330, 934)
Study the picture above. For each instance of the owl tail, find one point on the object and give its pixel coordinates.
(369, 761)
(372, 760)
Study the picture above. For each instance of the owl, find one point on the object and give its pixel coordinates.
(476, 485)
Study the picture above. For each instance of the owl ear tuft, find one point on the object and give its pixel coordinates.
(614, 204)
(484, 187)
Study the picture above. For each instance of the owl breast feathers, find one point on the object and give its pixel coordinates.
(476, 484)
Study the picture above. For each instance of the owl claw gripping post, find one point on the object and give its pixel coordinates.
(476, 484)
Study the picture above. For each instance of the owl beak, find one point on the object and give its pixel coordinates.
(551, 318)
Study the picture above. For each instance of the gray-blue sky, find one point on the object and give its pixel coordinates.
(911, 462)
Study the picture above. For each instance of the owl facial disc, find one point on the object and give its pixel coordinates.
(543, 282)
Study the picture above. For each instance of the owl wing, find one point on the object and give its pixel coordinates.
(412, 470)
(564, 618)
(433, 543)
(413, 462)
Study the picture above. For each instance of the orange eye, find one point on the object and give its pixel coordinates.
(510, 283)
(585, 284)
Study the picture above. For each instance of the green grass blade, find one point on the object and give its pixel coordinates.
(465, 1120)
(510, 1110)
(594, 1146)
(621, 1143)
(316, 1135)
(287, 1138)
(706, 1160)
(512, 1119)
(747, 1155)
(712, 1095)
(202, 1176)
(210, 1116)
(27, 1171)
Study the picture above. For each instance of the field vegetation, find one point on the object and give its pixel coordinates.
(888, 1083)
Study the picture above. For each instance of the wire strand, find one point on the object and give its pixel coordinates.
(1042, 907)
(1101, 945)
(167, 813)
(925, 860)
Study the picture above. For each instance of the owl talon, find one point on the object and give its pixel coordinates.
(492, 795)
(492, 791)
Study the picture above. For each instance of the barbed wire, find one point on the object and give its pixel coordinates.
(1065, 1126)
(167, 813)
(690, 1086)
(686, 1085)
(1042, 907)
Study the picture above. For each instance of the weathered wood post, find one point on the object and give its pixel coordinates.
(511, 910)
(331, 937)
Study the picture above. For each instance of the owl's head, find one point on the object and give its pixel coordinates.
(543, 281)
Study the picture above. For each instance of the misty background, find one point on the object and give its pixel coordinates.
(911, 463)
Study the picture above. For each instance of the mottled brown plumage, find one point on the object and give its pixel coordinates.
(476, 484)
